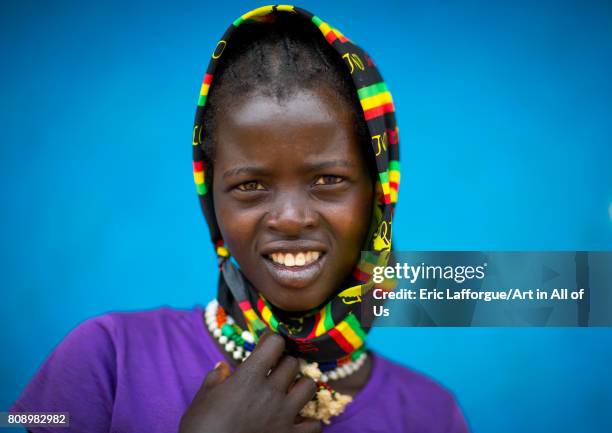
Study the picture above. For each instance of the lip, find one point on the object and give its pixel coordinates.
(295, 277)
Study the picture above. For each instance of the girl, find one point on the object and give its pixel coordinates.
(296, 163)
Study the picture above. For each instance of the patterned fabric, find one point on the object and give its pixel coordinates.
(332, 335)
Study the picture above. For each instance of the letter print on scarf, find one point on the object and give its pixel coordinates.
(334, 332)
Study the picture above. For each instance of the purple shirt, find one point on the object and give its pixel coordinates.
(138, 372)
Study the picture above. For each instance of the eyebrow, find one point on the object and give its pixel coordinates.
(331, 164)
(255, 170)
(245, 169)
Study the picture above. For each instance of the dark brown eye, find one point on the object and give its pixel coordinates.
(328, 179)
(250, 186)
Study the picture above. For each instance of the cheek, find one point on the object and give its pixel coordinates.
(237, 227)
(352, 221)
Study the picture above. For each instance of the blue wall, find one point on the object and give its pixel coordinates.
(506, 119)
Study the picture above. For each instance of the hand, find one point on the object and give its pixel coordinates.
(250, 400)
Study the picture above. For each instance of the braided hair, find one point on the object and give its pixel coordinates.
(277, 59)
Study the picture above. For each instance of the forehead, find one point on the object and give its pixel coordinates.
(309, 125)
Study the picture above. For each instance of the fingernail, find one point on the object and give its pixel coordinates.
(218, 364)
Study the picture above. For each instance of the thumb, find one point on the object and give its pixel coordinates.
(214, 377)
(217, 375)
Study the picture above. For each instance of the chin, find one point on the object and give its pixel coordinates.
(290, 301)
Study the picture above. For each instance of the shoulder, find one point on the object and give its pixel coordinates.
(422, 401)
(143, 324)
(108, 330)
(91, 358)
(95, 341)
(122, 340)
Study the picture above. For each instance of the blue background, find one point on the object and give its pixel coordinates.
(505, 112)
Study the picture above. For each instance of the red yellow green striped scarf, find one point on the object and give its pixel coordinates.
(334, 334)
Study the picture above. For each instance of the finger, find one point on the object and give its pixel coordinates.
(301, 393)
(221, 372)
(308, 426)
(267, 334)
(217, 375)
(265, 356)
(285, 372)
(264, 335)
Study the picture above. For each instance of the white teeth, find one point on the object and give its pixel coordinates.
(299, 259)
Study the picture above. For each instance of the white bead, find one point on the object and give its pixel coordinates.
(248, 337)
(230, 346)
(324, 378)
(230, 320)
(217, 333)
(332, 375)
(223, 339)
(347, 368)
(341, 373)
(237, 355)
(247, 353)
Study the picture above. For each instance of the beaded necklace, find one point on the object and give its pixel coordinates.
(240, 343)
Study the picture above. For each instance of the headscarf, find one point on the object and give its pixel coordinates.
(333, 333)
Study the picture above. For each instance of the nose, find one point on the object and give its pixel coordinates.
(291, 213)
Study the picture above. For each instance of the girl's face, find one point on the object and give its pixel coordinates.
(293, 194)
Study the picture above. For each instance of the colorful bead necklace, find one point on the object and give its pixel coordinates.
(240, 343)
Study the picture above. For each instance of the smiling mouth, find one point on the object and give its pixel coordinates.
(295, 260)
(295, 270)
